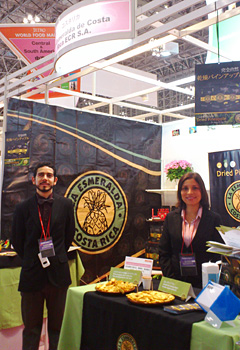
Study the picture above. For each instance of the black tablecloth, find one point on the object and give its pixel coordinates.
(106, 317)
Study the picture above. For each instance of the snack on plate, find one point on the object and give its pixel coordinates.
(150, 297)
(115, 286)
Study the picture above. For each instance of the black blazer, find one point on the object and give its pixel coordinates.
(26, 231)
(171, 243)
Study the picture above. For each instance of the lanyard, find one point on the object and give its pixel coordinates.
(47, 234)
(183, 231)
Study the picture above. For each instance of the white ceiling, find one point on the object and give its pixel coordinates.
(185, 22)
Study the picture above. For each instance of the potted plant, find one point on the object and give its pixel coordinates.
(177, 168)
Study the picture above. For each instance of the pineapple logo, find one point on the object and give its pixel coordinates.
(126, 342)
(232, 200)
(100, 208)
(95, 222)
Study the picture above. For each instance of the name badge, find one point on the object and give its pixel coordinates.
(188, 265)
(46, 247)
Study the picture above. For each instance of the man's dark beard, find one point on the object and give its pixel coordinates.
(44, 190)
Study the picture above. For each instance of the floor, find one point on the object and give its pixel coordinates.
(11, 338)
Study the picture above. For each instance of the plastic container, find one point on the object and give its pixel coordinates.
(210, 272)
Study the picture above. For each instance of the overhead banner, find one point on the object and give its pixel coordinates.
(93, 30)
(217, 94)
(224, 171)
(30, 42)
(104, 165)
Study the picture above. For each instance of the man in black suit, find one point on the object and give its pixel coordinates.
(42, 231)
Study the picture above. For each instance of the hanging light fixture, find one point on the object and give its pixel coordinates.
(31, 19)
(165, 50)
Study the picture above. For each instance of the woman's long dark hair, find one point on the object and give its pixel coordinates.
(204, 200)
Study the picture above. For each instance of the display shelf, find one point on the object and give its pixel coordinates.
(162, 190)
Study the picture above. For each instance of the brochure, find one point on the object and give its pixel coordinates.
(231, 237)
(182, 308)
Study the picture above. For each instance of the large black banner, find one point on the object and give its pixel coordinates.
(104, 164)
(224, 170)
(217, 93)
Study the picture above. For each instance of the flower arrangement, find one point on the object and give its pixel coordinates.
(177, 168)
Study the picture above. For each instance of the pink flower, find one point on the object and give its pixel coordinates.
(177, 168)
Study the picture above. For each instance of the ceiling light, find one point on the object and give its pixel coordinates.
(165, 50)
(165, 53)
(31, 19)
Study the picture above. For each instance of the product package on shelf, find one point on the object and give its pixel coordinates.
(155, 232)
(161, 214)
(152, 252)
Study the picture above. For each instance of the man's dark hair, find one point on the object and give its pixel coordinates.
(41, 164)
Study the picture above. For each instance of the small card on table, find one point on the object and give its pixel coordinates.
(180, 289)
(126, 275)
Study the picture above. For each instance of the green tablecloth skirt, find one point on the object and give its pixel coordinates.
(10, 298)
(206, 337)
(71, 331)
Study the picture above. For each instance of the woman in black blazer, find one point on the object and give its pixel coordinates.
(182, 247)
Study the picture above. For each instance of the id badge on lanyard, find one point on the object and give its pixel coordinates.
(46, 247)
(188, 266)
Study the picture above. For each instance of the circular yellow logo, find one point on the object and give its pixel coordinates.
(232, 200)
(100, 208)
(126, 342)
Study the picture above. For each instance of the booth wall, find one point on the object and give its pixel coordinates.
(194, 147)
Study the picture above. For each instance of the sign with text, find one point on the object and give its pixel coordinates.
(30, 42)
(125, 275)
(180, 289)
(90, 20)
(224, 171)
(217, 93)
(140, 264)
(17, 148)
(90, 31)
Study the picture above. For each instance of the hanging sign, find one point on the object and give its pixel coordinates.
(30, 42)
(89, 31)
(217, 94)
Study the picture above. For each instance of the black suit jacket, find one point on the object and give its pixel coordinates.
(26, 231)
(171, 243)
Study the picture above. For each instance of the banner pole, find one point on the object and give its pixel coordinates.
(3, 143)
